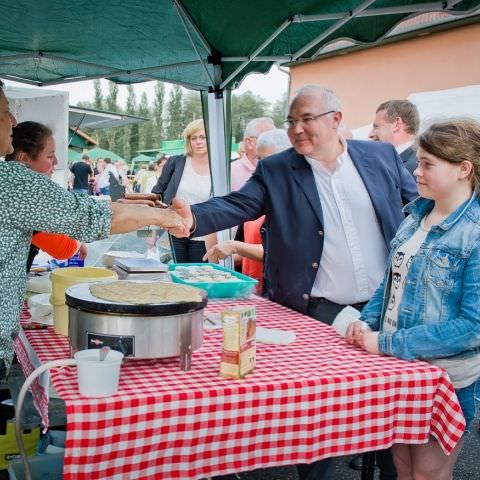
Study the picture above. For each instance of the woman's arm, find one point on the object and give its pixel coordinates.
(42, 205)
(232, 247)
(57, 245)
(126, 218)
(165, 177)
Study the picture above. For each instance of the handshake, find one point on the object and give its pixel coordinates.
(177, 218)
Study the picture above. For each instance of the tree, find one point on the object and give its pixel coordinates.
(279, 110)
(175, 114)
(146, 129)
(131, 133)
(113, 137)
(192, 107)
(100, 135)
(98, 95)
(246, 107)
(158, 112)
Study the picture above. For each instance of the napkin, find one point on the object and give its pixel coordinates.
(274, 337)
(344, 319)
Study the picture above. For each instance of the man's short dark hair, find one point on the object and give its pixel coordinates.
(85, 157)
(404, 109)
(107, 160)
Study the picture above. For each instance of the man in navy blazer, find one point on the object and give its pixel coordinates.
(284, 188)
(332, 206)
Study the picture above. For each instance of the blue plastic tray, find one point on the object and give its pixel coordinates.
(242, 288)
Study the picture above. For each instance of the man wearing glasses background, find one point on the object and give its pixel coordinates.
(243, 168)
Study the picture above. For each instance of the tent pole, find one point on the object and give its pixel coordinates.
(257, 51)
(184, 19)
(21, 80)
(374, 12)
(186, 16)
(217, 150)
(349, 15)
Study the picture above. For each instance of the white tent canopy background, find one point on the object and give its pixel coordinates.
(438, 105)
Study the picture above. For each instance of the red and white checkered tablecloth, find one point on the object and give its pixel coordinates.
(317, 397)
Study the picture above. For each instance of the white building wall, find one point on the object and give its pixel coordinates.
(50, 108)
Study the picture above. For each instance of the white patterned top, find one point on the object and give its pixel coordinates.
(32, 202)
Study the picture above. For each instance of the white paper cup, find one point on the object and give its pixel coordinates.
(96, 378)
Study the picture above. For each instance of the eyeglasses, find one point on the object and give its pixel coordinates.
(291, 123)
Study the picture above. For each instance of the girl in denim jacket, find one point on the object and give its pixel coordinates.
(427, 306)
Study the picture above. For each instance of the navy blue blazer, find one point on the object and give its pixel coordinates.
(167, 184)
(283, 188)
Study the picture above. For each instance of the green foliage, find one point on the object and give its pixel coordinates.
(246, 107)
(167, 120)
(176, 122)
(279, 110)
(98, 102)
(158, 111)
(147, 138)
(192, 107)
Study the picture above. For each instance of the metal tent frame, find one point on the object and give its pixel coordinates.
(215, 73)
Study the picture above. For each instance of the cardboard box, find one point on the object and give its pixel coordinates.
(238, 352)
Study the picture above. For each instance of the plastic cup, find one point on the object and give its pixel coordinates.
(96, 378)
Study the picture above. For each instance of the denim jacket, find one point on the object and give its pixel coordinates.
(439, 314)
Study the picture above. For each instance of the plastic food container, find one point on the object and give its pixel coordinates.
(111, 256)
(241, 287)
(63, 278)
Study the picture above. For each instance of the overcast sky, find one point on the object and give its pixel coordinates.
(270, 86)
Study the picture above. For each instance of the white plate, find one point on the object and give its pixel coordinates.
(39, 305)
(39, 284)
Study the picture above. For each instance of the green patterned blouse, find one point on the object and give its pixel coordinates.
(28, 202)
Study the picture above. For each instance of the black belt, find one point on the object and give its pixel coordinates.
(358, 306)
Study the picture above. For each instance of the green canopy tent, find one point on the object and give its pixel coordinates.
(97, 152)
(73, 156)
(208, 45)
(142, 159)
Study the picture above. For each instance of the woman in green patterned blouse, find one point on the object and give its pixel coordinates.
(31, 201)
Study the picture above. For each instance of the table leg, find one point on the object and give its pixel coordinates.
(368, 466)
(185, 344)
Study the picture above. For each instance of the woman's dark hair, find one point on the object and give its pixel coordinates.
(30, 138)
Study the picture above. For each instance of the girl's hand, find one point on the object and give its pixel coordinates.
(354, 330)
(369, 342)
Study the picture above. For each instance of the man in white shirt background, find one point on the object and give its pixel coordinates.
(242, 169)
(397, 122)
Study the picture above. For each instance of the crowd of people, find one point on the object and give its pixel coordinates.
(390, 227)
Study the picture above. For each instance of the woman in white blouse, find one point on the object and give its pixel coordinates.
(188, 177)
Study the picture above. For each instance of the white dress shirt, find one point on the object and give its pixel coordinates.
(401, 148)
(354, 251)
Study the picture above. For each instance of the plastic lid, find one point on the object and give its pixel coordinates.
(134, 265)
